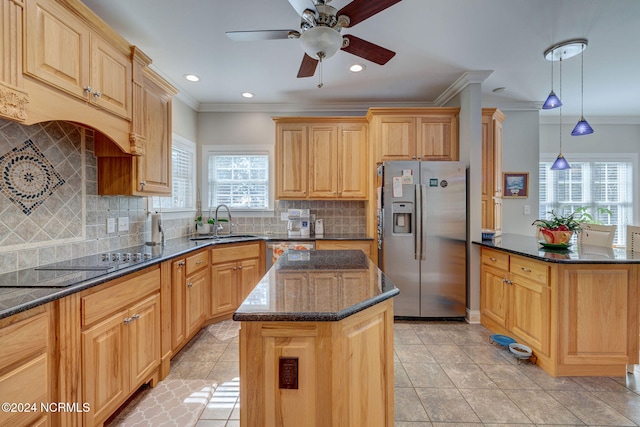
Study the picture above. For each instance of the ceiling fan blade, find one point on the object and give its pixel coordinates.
(301, 5)
(249, 36)
(359, 10)
(367, 50)
(308, 66)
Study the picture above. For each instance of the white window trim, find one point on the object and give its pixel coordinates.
(607, 157)
(187, 145)
(238, 149)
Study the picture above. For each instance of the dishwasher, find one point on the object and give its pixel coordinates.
(275, 249)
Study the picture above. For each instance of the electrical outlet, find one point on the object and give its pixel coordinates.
(284, 216)
(526, 210)
(123, 223)
(111, 225)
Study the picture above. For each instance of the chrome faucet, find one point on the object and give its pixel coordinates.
(217, 225)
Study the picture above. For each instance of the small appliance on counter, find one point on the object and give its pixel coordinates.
(319, 228)
(298, 224)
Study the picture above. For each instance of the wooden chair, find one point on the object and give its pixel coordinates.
(633, 238)
(597, 235)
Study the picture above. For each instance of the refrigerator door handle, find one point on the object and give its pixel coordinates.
(417, 233)
(423, 221)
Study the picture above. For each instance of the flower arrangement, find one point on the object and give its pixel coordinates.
(557, 229)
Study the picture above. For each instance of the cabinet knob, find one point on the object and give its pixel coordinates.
(199, 262)
(88, 89)
(127, 320)
(413, 157)
(240, 268)
(493, 259)
(526, 270)
(135, 317)
(96, 94)
(235, 268)
(142, 184)
(182, 264)
(190, 284)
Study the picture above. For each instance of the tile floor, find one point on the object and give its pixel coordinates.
(446, 374)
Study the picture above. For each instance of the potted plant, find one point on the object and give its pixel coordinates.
(556, 230)
(202, 227)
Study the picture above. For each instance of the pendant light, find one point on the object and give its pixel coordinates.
(561, 163)
(582, 127)
(552, 100)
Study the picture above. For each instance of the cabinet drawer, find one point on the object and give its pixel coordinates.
(197, 262)
(496, 259)
(530, 269)
(23, 340)
(100, 304)
(24, 385)
(233, 253)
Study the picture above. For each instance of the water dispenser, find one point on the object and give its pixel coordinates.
(402, 213)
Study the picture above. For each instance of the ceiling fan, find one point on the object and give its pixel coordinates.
(320, 28)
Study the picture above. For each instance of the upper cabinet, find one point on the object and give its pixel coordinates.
(414, 133)
(321, 158)
(492, 120)
(63, 52)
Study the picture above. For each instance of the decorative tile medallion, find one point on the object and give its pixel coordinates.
(28, 178)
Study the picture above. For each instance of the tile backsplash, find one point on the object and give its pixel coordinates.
(50, 210)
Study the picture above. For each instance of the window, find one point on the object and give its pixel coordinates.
(183, 153)
(239, 180)
(595, 184)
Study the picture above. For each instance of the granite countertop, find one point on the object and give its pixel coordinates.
(528, 246)
(316, 286)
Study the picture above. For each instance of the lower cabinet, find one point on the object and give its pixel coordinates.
(235, 271)
(120, 342)
(189, 295)
(25, 367)
(515, 295)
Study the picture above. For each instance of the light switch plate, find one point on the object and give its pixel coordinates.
(111, 225)
(526, 210)
(123, 223)
(284, 216)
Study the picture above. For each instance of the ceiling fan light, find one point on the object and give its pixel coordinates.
(552, 102)
(582, 128)
(321, 39)
(560, 164)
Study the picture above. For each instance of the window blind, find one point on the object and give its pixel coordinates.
(239, 181)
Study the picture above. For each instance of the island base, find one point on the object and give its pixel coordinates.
(318, 373)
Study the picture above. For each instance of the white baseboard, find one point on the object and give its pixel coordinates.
(473, 316)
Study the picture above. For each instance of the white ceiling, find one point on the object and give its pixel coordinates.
(436, 42)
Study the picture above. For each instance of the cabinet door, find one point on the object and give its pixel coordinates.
(111, 76)
(196, 301)
(178, 294)
(154, 167)
(494, 293)
(529, 317)
(224, 295)
(438, 137)
(105, 367)
(291, 161)
(248, 277)
(323, 161)
(353, 161)
(397, 138)
(56, 47)
(144, 339)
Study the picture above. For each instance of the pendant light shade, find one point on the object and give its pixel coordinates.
(582, 127)
(552, 101)
(560, 164)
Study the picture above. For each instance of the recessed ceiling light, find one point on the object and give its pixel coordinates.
(191, 77)
(356, 68)
(499, 89)
(247, 94)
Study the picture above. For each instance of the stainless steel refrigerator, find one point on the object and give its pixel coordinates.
(424, 237)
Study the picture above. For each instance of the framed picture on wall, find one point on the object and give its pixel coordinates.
(515, 185)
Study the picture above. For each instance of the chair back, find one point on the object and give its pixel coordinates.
(597, 235)
(633, 238)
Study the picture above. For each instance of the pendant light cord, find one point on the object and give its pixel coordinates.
(582, 83)
(561, 105)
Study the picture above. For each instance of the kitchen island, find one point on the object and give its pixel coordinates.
(316, 343)
(576, 308)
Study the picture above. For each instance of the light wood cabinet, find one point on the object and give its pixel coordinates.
(414, 133)
(557, 310)
(26, 375)
(323, 158)
(492, 191)
(364, 245)
(120, 341)
(515, 295)
(13, 98)
(235, 271)
(189, 295)
(62, 51)
(149, 171)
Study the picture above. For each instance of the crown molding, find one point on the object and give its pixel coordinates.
(183, 96)
(359, 108)
(467, 78)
